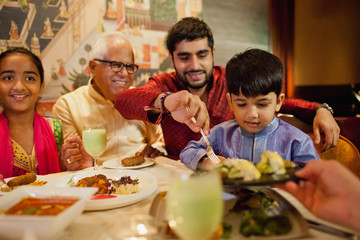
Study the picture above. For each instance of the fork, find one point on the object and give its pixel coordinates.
(210, 152)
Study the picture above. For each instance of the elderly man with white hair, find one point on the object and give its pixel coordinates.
(112, 68)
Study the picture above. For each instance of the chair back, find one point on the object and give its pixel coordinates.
(350, 128)
(345, 152)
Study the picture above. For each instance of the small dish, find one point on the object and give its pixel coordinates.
(43, 227)
(116, 163)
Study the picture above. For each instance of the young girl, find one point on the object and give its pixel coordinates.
(27, 142)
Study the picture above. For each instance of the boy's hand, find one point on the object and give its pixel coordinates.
(207, 164)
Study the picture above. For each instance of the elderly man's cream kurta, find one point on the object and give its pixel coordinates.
(85, 106)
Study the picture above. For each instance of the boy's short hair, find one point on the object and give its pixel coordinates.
(255, 72)
(188, 28)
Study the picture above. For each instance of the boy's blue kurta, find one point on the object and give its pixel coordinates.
(229, 140)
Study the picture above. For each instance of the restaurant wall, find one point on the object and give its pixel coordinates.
(237, 25)
(326, 42)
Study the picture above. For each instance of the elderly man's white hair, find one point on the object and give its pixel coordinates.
(106, 41)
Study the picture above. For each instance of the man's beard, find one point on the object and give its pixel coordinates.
(208, 77)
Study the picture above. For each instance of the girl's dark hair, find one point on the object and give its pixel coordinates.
(35, 59)
(254, 72)
(188, 28)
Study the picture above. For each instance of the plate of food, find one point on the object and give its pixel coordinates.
(126, 162)
(272, 169)
(117, 188)
(29, 179)
(262, 213)
(43, 211)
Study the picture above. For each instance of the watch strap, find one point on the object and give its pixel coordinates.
(326, 106)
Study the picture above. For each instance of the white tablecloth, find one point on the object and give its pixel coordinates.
(101, 224)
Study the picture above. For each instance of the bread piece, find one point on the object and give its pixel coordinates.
(22, 180)
(133, 161)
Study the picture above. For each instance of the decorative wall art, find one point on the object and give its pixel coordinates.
(63, 32)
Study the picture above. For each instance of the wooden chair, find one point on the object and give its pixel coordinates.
(350, 128)
(345, 152)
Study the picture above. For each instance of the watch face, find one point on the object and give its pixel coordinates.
(328, 108)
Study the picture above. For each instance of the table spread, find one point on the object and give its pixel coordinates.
(103, 224)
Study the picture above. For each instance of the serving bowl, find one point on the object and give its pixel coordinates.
(42, 227)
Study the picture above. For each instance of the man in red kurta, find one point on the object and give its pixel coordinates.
(197, 91)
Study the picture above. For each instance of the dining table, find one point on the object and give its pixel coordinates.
(105, 224)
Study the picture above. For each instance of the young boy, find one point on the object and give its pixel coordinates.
(254, 81)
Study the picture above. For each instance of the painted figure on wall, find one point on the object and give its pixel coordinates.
(100, 26)
(35, 45)
(62, 71)
(54, 75)
(63, 10)
(3, 46)
(24, 5)
(110, 13)
(76, 32)
(14, 34)
(48, 32)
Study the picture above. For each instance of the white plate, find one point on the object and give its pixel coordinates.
(147, 186)
(42, 227)
(38, 178)
(116, 163)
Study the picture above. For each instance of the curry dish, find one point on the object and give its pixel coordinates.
(41, 206)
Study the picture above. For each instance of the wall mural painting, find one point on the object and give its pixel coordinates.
(30, 24)
(62, 33)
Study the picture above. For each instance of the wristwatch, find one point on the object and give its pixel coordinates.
(326, 106)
